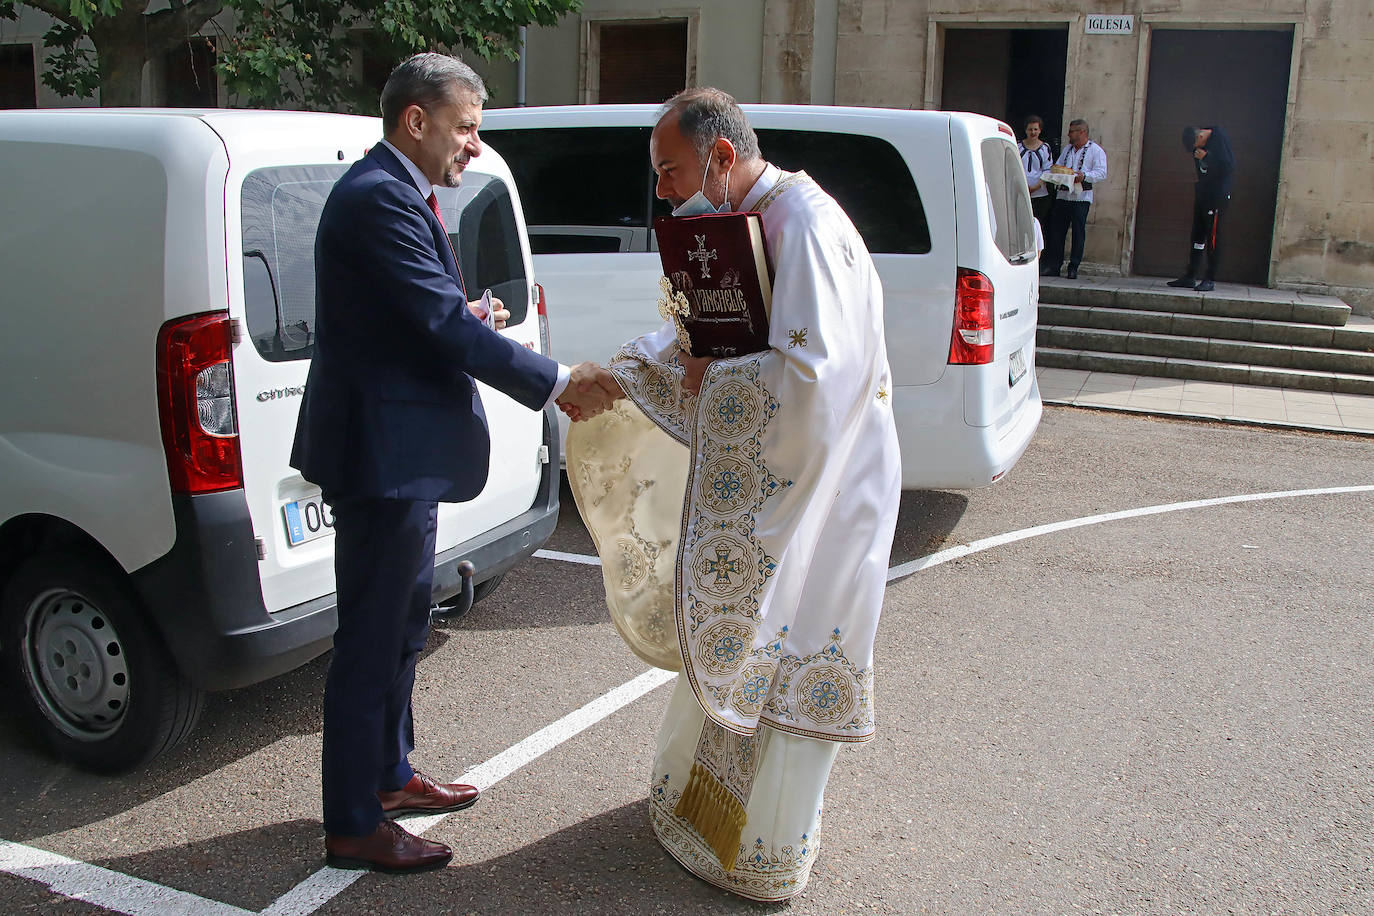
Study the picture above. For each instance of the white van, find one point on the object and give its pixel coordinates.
(939, 197)
(157, 314)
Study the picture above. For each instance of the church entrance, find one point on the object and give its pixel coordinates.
(1239, 80)
(1008, 74)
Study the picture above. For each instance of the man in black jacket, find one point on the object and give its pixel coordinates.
(1216, 172)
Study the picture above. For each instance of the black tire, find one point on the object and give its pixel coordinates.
(94, 678)
(484, 589)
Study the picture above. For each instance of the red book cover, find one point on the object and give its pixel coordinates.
(719, 263)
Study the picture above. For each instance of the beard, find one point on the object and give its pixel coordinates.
(453, 175)
(719, 187)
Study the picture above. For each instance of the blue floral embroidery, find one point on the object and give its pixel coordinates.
(727, 485)
(825, 694)
(729, 648)
(730, 409)
(755, 689)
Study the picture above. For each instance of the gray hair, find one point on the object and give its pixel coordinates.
(1079, 122)
(425, 80)
(705, 113)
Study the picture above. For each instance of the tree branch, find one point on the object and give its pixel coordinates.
(57, 9)
(174, 25)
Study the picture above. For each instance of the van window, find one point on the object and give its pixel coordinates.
(281, 213)
(580, 194)
(584, 189)
(1008, 201)
(866, 176)
(281, 210)
(481, 222)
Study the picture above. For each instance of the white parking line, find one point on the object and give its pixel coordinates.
(582, 558)
(125, 894)
(944, 556)
(323, 885)
(103, 887)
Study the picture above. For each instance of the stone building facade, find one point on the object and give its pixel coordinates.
(894, 53)
(1305, 221)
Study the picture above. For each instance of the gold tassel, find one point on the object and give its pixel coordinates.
(715, 813)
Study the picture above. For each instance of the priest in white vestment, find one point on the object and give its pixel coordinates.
(744, 510)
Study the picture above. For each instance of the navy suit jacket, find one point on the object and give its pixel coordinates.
(390, 407)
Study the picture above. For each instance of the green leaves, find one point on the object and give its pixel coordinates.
(325, 55)
(321, 54)
(72, 70)
(85, 12)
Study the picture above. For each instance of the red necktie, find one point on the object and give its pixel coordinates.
(433, 201)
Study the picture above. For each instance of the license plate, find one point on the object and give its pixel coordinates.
(307, 519)
(1018, 367)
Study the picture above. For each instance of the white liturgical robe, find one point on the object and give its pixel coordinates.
(745, 534)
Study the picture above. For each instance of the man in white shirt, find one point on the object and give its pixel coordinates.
(1089, 163)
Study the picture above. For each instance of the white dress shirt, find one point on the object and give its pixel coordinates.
(1035, 162)
(1091, 160)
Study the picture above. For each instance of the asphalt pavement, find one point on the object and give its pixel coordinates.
(1135, 676)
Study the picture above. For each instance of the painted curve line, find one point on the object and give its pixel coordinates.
(114, 890)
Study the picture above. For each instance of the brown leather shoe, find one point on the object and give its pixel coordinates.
(423, 795)
(389, 848)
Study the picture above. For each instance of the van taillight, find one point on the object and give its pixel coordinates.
(542, 309)
(971, 343)
(195, 399)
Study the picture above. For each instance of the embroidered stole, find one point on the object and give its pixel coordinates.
(717, 795)
(716, 799)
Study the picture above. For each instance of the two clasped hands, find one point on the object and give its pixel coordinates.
(592, 389)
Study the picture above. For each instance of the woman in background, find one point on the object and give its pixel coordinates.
(1037, 157)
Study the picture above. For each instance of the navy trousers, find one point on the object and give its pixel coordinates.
(1066, 214)
(384, 566)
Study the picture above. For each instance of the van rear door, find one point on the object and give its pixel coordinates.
(991, 194)
(275, 192)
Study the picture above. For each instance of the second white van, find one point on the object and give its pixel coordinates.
(939, 197)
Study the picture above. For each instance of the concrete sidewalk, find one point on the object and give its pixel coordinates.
(1284, 407)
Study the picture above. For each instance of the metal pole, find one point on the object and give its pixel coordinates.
(520, 72)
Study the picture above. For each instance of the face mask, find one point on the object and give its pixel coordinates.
(699, 204)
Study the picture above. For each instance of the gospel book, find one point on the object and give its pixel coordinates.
(718, 283)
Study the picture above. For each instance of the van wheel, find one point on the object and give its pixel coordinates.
(484, 589)
(96, 680)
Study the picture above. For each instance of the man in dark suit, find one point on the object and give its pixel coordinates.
(391, 424)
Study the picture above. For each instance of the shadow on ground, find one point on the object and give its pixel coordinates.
(608, 864)
(42, 795)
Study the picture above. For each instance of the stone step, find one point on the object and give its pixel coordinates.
(1203, 370)
(1358, 334)
(1227, 301)
(1210, 349)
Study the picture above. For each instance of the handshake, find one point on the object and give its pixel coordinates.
(591, 391)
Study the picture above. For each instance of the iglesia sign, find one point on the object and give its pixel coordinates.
(1109, 25)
